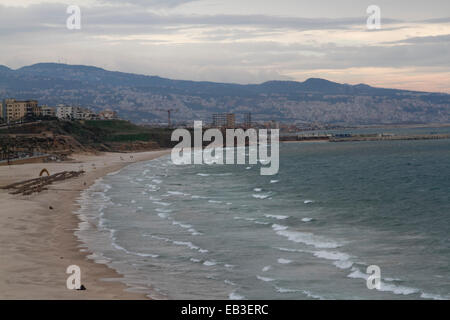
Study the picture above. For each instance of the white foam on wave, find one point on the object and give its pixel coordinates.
(209, 263)
(163, 210)
(186, 226)
(198, 197)
(242, 218)
(400, 290)
(203, 174)
(215, 201)
(257, 189)
(261, 196)
(313, 296)
(183, 225)
(307, 219)
(158, 181)
(307, 293)
(166, 204)
(392, 279)
(234, 296)
(308, 201)
(306, 238)
(188, 244)
(140, 254)
(152, 187)
(177, 193)
(278, 227)
(229, 282)
(274, 181)
(289, 250)
(276, 216)
(265, 279)
(284, 261)
(286, 290)
(266, 268)
(425, 295)
(341, 260)
(330, 255)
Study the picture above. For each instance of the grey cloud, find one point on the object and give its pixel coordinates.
(429, 39)
(150, 3)
(54, 16)
(437, 20)
(41, 35)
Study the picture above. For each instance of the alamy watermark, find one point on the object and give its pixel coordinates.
(218, 152)
(374, 279)
(74, 280)
(374, 19)
(73, 22)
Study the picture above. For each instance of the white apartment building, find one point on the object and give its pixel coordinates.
(74, 113)
(64, 112)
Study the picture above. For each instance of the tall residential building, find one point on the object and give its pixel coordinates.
(248, 120)
(14, 110)
(226, 120)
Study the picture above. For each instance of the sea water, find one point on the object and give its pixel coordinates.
(310, 232)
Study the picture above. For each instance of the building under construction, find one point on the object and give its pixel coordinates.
(224, 120)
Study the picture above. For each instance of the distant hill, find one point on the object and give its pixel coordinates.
(137, 97)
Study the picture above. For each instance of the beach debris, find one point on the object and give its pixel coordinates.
(28, 187)
(82, 287)
(44, 171)
(50, 207)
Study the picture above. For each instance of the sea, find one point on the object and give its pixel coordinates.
(309, 232)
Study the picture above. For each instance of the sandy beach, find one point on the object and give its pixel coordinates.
(37, 241)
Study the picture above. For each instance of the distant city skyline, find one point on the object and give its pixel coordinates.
(238, 41)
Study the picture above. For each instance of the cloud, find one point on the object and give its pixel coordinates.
(244, 48)
(429, 39)
(150, 3)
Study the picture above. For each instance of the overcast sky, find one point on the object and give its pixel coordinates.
(243, 41)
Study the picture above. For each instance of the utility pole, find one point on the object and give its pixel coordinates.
(168, 118)
(169, 113)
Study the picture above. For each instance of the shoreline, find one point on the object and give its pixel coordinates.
(37, 232)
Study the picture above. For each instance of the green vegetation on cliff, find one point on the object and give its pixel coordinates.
(107, 135)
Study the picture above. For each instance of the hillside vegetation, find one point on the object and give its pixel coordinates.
(108, 135)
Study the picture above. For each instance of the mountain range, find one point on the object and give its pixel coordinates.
(142, 98)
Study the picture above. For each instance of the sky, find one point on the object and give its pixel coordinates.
(240, 41)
